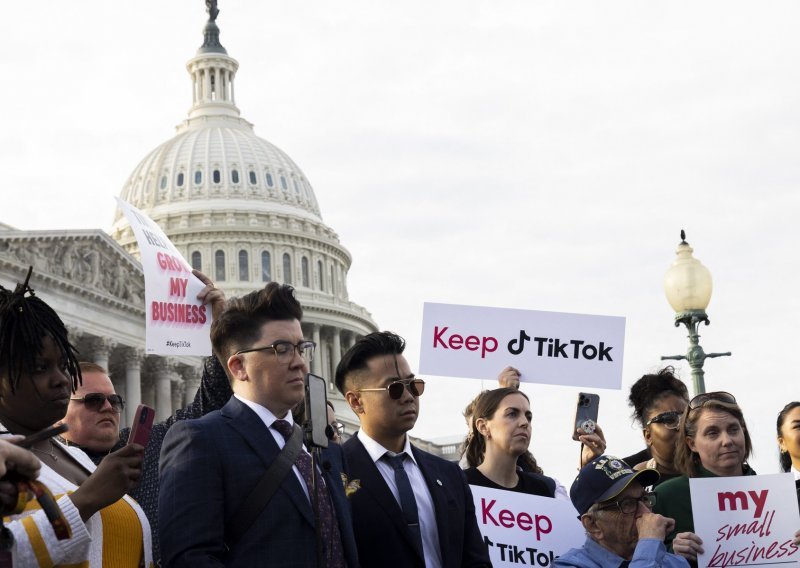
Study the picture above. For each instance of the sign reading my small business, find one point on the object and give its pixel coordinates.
(525, 530)
(177, 323)
(547, 347)
(746, 520)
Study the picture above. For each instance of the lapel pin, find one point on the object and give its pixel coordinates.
(439, 482)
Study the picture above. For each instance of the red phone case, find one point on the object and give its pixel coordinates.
(142, 424)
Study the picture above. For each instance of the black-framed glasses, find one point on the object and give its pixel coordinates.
(415, 386)
(285, 350)
(719, 396)
(96, 400)
(338, 427)
(669, 419)
(629, 505)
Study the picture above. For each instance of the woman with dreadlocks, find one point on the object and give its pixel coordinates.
(38, 373)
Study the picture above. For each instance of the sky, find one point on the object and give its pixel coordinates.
(533, 155)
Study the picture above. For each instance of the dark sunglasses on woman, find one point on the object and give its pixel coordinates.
(719, 396)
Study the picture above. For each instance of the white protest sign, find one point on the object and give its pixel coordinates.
(177, 323)
(521, 529)
(746, 520)
(547, 347)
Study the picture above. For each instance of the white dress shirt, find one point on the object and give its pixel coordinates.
(427, 515)
(796, 473)
(268, 418)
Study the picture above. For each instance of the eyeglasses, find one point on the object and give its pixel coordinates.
(669, 419)
(285, 350)
(96, 400)
(629, 505)
(416, 387)
(719, 396)
(338, 427)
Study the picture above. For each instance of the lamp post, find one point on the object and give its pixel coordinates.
(687, 285)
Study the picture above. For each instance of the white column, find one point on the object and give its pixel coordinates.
(316, 362)
(163, 380)
(337, 352)
(133, 382)
(101, 350)
(178, 387)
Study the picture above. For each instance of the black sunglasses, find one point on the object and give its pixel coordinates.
(96, 400)
(415, 386)
(719, 396)
(669, 419)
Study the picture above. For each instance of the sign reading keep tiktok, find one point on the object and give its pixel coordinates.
(547, 347)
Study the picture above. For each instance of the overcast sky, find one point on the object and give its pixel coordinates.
(539, 155)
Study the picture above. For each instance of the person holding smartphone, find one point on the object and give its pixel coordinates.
(38, 374)
(94, 413)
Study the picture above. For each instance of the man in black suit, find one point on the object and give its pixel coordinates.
(412, 509)
(210, 466)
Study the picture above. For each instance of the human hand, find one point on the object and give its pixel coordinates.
(19, 461)
(117, 474)
(797, 538)
(594, 444)
(509, 377)
(652, 525)
(210, 294)
(688, 545)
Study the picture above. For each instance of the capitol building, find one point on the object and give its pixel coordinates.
(237, 207)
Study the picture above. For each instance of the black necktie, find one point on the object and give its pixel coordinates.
(328, 527)
(625, 564)
(407, 501)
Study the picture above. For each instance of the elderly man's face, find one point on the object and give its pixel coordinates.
(619, 532)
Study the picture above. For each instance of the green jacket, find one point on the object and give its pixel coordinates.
(673, 500)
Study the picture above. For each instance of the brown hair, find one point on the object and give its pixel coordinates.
(240, 324)
(687, 461)
(486, 405)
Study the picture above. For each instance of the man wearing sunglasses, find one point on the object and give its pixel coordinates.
(413, 509)
(615, 509)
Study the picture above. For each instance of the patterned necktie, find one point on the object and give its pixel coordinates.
(407, 500)
(328, 527)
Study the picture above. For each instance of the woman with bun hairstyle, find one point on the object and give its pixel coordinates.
(658, 401)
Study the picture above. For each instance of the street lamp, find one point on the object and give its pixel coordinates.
(687, 285)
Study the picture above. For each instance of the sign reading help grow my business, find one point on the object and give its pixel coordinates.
(547, 347)
(746, 520)
(525, 530)
(177, 323)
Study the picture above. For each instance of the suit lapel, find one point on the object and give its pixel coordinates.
(363, 468)
(250, 427)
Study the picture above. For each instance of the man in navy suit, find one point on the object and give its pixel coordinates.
(412, 509)
(210, 466)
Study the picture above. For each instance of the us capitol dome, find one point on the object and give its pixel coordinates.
(242, 211)
(236, 206)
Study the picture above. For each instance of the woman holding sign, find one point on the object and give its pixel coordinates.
(501, 433)
(713, 441)
(789, 441)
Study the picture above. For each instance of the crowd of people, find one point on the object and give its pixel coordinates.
(229, 480)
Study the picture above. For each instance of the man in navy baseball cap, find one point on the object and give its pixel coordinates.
(615, 510)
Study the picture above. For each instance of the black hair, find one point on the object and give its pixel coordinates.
(240, 324)
(369, 346)
(25, 319)
(649, 389)
(785, 458)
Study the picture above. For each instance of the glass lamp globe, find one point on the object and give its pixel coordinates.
(687, 282)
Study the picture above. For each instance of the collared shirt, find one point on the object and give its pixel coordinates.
(268, 418)
(649, 553)
(796, 473)
(427, 515)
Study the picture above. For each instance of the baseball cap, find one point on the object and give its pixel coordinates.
(604, 478)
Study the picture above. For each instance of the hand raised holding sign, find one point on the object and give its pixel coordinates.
(210, 294)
